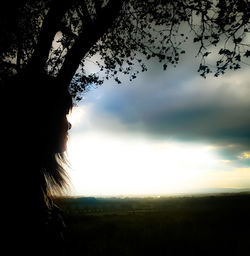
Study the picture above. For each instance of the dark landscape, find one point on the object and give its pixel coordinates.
(211, 224)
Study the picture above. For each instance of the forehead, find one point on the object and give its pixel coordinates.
(52, 92)
(39, 88)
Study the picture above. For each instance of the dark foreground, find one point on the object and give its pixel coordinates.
(205, 225)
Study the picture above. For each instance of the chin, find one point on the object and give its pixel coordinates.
(60, 148)
(61, 145)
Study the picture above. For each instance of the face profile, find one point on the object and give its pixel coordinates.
(42, 103)
(51, 109)
(62, 136)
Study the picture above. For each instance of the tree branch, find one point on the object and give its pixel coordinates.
(89, 36)
(50, 27)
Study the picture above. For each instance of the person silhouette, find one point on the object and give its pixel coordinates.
(34, 138)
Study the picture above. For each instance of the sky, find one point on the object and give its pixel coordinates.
(167, 132)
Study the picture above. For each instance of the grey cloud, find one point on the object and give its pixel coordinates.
(179, 105)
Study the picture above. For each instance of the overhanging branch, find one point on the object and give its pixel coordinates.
(90, 35)
(50, 27)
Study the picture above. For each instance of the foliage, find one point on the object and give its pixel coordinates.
(120, 36)
(199, 225)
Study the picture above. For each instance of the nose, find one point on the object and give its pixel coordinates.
(69, 125)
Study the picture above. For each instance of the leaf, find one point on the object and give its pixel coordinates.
(206, 54)
(117, 80)
(196, 39)
(238, 57)
(237, 40)
(247, 53)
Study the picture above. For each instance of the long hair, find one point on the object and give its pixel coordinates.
(58, 103)
(34, 105)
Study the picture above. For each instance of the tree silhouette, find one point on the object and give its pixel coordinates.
(58, 36)
(44, 45)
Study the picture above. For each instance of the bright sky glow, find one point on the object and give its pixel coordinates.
(106, 165)
(166, 133)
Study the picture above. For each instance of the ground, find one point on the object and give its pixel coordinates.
(190, 225)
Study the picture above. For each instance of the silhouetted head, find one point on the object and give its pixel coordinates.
(36, 127)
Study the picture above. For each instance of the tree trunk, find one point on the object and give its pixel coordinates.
(91, 34)
(48, 31)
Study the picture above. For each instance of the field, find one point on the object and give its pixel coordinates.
(191, 225)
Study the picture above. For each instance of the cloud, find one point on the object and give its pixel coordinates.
(245, 155)
(175, 105)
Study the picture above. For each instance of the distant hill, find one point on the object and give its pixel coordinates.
(120, 205)
(221, 190)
